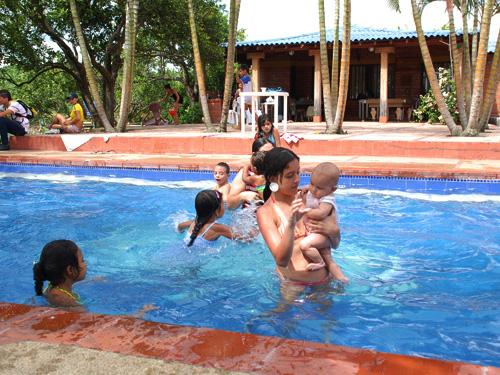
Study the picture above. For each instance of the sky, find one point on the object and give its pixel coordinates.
(267, 19)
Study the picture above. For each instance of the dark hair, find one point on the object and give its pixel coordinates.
(168, 87)
(259, 142)
(275, 163)
(224, 165)
(244, 67)
(5, 94)
(257, 161)
(260, 123)
(55, 258)
(206, 203)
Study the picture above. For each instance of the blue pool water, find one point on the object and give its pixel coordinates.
(423, 267)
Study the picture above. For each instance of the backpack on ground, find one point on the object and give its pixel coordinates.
(30, 111)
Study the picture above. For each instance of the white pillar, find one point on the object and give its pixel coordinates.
(317, 85)
(384, 82)
(255, 57)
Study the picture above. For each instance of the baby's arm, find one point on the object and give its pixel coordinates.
(320, 213)
(249, 180)
(184, 225)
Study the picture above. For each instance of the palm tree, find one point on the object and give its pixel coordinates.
(431, 74)
(466, 66)
(335, 59)
(94, 91)
(344, 69)
(493, 82)
(132, 7)
(200, 76)
(234, 10)
(473, 126)
(325, 74)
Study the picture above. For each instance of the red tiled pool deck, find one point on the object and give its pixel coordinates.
(408, 150)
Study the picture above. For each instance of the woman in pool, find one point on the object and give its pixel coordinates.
(209, 207)
(280, 219)
(61, 263)
(238, 193)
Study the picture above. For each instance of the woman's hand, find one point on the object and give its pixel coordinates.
(327, 228)
(298, 209)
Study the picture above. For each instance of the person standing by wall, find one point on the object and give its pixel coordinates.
(171, 93)
(13, 119)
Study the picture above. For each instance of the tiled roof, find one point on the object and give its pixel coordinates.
(358, 34)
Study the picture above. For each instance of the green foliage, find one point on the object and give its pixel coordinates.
(191, 113)
(428, 110)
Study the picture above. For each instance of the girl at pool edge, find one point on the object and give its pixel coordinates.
(209, 207)
(280, 219)
(62, 264)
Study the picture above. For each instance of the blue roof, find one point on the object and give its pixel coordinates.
(358, 34)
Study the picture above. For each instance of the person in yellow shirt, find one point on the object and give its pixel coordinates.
(73, 123)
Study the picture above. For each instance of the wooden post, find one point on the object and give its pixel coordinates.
(384, 82)
(255, 57)
(317, 85)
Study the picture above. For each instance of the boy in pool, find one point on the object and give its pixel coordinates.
(221, 176)
(320, 201)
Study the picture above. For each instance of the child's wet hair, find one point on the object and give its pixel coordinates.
(225, 166)
(275, 162)
(257, 161)
(54, 260)
(206, 203)
(259, 142)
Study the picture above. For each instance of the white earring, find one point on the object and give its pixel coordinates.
(274, 187)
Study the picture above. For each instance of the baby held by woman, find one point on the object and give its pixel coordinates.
(320, 201)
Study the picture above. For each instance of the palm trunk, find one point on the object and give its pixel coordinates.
(344, 69)
(335, 59)
(482, 54)
(491, 89)
(457, 76)
(200, 75)
(466, 68)
(234, 9)
(128, 62)
(431, 74)
(88, 68)
(325, 74)
(474, 44)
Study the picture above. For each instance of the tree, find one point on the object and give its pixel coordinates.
(234, 10)
(128, 65)
(325, 75)
(200, 76)
(335, 58)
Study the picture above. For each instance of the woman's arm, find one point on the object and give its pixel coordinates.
(320, 213)
(327, 227)
(238, 193)
(277, 139)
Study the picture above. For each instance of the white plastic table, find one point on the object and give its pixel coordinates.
(255, 95)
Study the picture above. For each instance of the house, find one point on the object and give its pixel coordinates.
(384, 64)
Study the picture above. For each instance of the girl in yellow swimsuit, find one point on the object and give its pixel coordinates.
(61, 264)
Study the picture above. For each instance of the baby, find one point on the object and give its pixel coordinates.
(320, 200)
(221, 176)
(253, 174)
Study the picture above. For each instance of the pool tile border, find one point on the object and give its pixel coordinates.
(210, 347)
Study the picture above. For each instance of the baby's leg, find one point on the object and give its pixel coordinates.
(333, 267)
(309, 246)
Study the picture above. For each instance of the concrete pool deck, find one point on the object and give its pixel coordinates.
(31, 337)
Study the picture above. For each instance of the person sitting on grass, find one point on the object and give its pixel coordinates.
(73, 123)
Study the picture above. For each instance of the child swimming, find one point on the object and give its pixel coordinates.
(61, 264)
(221, 176)
(320, 201)
(209, 207)
(253, 174)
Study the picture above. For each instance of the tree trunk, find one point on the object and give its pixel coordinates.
(128, 62)
(325, 74)
(234, 8)
(474, 44)
(335, 59)
(200, 75)
(466, 68)
(431, 74)
(344, 69)
(482, 55)
(494, 79)
(456, 65)
(88, 68)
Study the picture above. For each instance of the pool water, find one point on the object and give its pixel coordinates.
(424, 268)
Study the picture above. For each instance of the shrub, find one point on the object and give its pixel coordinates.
(190, 113)
(427, 110)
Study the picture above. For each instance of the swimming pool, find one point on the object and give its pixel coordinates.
(423, 267)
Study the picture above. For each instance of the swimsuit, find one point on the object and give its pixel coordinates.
(200, 239)
(298, 232)
(72, 295)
